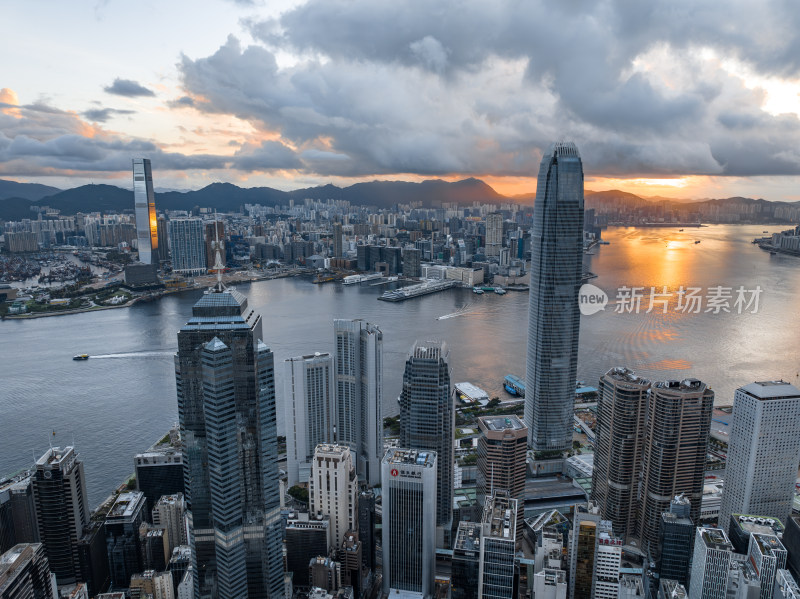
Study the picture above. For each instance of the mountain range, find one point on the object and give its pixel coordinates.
(16, 199)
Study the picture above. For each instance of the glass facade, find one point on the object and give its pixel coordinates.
(554, 316)
(226, 406)
(145, 209)
(187, 246)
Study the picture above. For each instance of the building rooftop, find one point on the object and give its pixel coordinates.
(715, 538)
(126, 505)
(771, 390)
(758, 524)
(429, 350)
(768, 544)
(468, 536)
(56, 457)
(471, 391)
(621, 374)
(501, 423)
(682, 386)
(410, 456)
(500, 513)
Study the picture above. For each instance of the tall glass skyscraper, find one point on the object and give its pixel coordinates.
(359, 394)
(226, 406)
(144, 200)
(188, 247)
(554, 317)
(427, 418)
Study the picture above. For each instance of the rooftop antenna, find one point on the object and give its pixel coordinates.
(218, 266)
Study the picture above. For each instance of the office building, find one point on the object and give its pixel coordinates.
(676, 439)
(309, 393)
(710, 564)
(554, 317)
(763, 451)
(621, 407)
(785, 586)
(741, 526)
(409, 524)
(494, 234)
(154, 547)
(582, 541)
(497, 573)
(169, 513)
(501, 456)
(333, 490)
(550, 584)
(427, 418)
(17, 512)
(337, 240)
(25, 573)
(187, 246)
(359, 394)
(350, 557)
(158, 585)
(671, 589)
(62, 510)
(607, 562)
(767, 555)
(791, 540)
(159, 471)
(677, 536)
(412, 263)
(306, 538)
(324, 573)
(144, 201)
(631, 587)
(466, 561)
(226, 406)
(163, 239)
(122, 538)
(93, 557)
(366, 528)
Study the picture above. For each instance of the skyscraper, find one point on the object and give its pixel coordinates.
(226, 406)
(309, 393)
(24, 572)
(427, 417)
(621, 406)
(677, 535)
(710, 564)
(676, 440)
(607, 562)
(497, 575)
(763, 451)
(188, 247)
(144, 200)
(122, 537)
(767, 555)
(214, 233)
(337, 240)
(494, 234)
(409, 525)
(333, 490)
(554, 317)
(62, 510)
(359, 394)
(581, 549)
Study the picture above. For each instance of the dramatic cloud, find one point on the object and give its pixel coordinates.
(101, 115)
(128, 88)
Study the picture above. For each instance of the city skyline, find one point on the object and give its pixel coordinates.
(679, 111)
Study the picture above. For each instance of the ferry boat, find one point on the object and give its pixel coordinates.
(81, 357)
(499, 291)
(355, 279)
(477, 290)
(514, 385)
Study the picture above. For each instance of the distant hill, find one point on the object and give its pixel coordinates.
(27, 191)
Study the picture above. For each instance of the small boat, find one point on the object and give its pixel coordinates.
(765, 231)
(680, 230)
(477, 290)
(81, 357)
(499, 291)
(697, 241)
(772, 252)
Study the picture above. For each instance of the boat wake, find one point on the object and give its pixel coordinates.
(138, 354)
(465, 311)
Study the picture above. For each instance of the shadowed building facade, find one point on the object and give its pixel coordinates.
(554, 316)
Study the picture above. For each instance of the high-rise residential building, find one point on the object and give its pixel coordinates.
(214, 233)
(607, 562)
(677, 536)
(466, 561)
(710, 564)
(554, 316)
(767, 555)
(427, 418)
(409, 525)
(144, 200)
(309, 394)
(674, 460)
(122, 537)
(763, 451)
(502, 449)
(337, 240)
(187, 246)
(25, 573)
(621, 407)
(226, 406)
(786, 586)
(497, 573)
(62, 510)
(169, 513)
(333, 490)
(359, 394)
(582, 548)
(494, 234)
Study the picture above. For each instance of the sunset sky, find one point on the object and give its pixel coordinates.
(678, 98)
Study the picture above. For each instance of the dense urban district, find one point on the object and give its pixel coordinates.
(559, 489)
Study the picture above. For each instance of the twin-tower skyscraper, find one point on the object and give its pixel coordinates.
(554, 315)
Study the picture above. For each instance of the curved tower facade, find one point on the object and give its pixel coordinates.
(554, 317)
